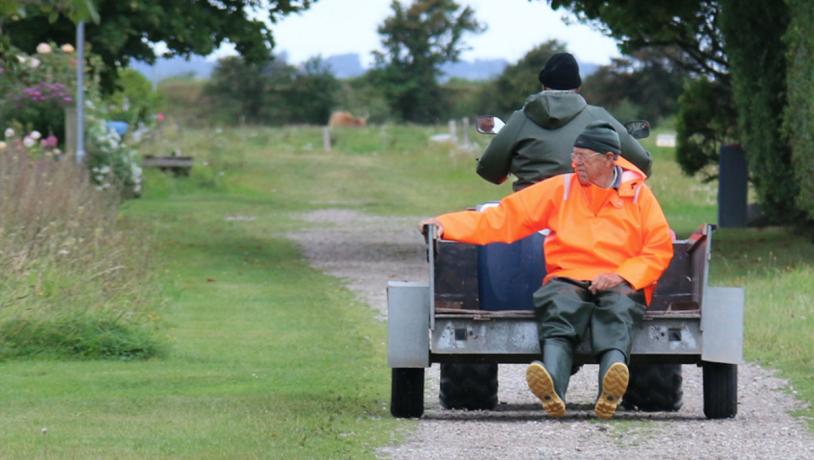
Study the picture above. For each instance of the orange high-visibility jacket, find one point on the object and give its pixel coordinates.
(593, 230)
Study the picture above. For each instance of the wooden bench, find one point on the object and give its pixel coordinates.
(178, 165)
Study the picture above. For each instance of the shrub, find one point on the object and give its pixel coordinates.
(705, 121)
(134, 101)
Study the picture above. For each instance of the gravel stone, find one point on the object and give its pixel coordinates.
(368, 251)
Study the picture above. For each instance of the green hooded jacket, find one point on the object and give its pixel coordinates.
(537, 140)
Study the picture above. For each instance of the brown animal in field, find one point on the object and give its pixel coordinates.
(342, 119)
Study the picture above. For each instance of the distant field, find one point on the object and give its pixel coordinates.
(270, 359)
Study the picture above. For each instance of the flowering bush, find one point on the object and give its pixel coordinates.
(33, 143)
(36, 89)
(112, 162)
(34, 93)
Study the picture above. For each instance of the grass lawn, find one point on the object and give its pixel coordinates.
(271, 359)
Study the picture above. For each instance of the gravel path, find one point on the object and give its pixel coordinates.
(367, 251)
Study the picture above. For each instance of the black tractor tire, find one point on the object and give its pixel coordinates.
(654, 388)
(720, 390)
(407, 392)
(468, 386)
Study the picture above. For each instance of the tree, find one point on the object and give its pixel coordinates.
(798, 120)
(738, 47)
(235, 89)
(647, 81)
(758, 67)
(688, 34)
(310, 94)
(272, 93)
(127, 29)
(691, 27)
(417, 40)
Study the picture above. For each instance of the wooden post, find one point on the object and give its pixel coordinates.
(326, 138)
(453, 135)
(465, 129)
(70, 132)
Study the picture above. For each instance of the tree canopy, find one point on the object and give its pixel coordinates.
(691, 27)
(417, 40)
(127, 30)
(734, 48)
(647, 82)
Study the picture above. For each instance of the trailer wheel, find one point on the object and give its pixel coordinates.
(468, 386)
(407, 392)
(720, 390)
(654, 388)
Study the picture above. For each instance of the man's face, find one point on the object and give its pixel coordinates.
(591, 167)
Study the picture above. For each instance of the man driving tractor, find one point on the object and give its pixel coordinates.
(535, 142)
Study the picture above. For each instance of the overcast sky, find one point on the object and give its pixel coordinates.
(332, 27)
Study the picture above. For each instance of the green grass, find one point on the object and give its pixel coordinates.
(268, 358)
(775, 267)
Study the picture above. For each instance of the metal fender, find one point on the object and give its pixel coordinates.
(408, 324)
(722, 325)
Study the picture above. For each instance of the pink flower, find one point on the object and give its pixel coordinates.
(159, 117)
(50, 142)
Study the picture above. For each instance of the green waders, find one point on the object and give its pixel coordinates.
(566, 308)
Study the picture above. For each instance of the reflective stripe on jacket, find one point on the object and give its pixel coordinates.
(593, 230)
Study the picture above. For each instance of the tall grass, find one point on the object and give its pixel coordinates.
(74, 282)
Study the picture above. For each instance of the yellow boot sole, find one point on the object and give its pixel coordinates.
(542, 385)
(614, 385)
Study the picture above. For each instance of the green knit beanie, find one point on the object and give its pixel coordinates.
(600, 137)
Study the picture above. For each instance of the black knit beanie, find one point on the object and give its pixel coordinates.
(600, 137)
(561, 72)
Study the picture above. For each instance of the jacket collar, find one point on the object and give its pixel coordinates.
(632, 177)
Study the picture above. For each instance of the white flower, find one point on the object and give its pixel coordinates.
(9, 133)
(35, 135)
(43, 48)
(67, 48)
(2, 146)
(34, 63)
(28, 142)
(104, 169)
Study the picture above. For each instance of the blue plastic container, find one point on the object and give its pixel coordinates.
(509, 274)
(120, 127)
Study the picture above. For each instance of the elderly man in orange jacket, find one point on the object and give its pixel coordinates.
(608, 246)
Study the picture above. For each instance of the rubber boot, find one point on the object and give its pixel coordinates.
(548, 380)
(558, 357)
(613, 380)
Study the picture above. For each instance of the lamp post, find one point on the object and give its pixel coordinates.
(80, 92)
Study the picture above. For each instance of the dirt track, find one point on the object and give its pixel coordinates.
(367, 251)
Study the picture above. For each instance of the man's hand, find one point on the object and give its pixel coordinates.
(431, 221)
(605, 281)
